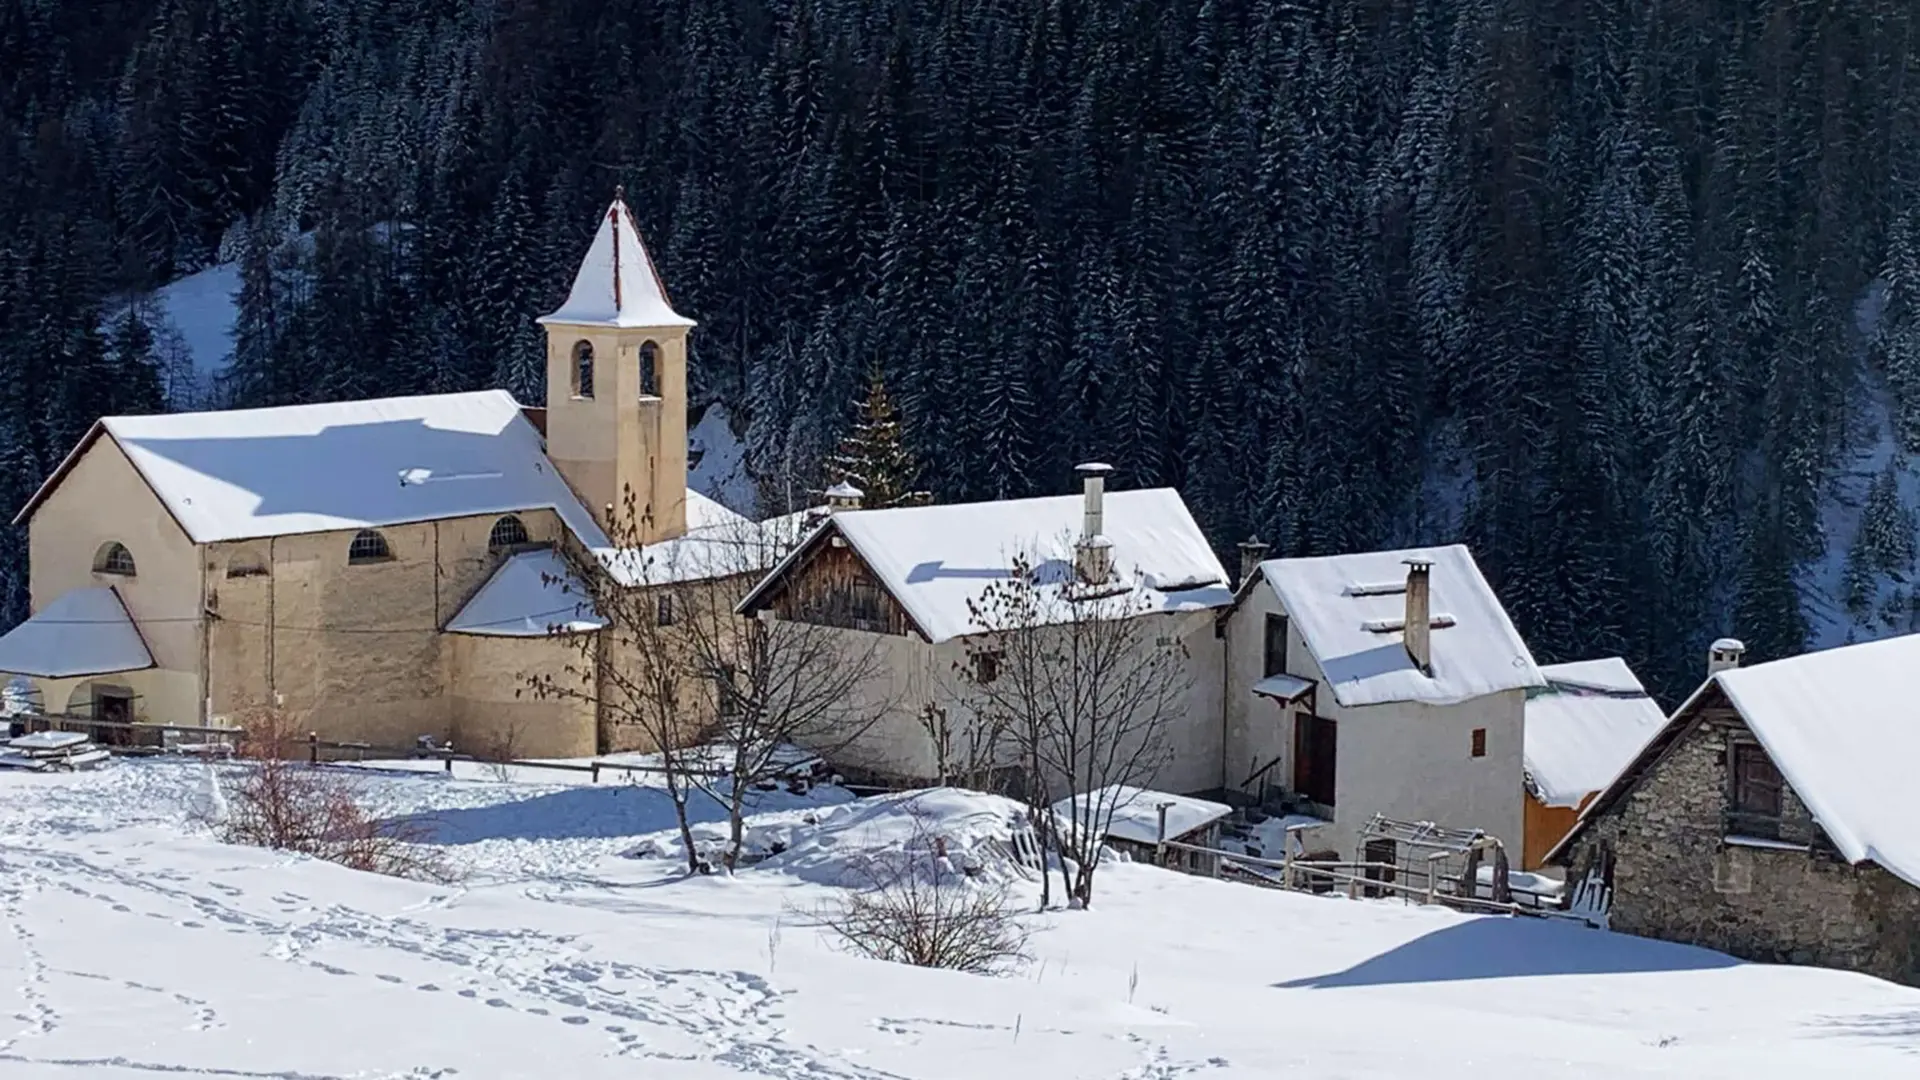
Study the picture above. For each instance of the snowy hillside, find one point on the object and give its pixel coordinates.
(131, 945)
(717, 463)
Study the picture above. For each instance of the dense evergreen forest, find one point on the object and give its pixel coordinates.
(1601, 287)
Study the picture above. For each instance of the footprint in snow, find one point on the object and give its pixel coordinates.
(575, 1020)
(469, 993)
(122, 908)
(191, 925)
(498, 1003)
(389, 978)
(427, 986)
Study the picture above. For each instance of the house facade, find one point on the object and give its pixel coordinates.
(1331, 701)
(1771, 818)
(323, 559)
(906, 581)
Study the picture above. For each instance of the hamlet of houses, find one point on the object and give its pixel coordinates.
(397, 569)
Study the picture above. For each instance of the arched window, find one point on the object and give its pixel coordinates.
(649, 370)
(113, 558)
(368, 547)
(583, 369)
(507, 533)
(245, 563)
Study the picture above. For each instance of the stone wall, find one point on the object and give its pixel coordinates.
(1677, 877)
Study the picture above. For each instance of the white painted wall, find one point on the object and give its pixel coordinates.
(899, 745)
(1404, 759)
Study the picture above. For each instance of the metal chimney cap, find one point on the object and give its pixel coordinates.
(1093, 468)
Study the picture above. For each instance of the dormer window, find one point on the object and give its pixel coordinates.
(113, 558)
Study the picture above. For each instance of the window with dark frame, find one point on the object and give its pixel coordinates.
(509, 532)
(986, 667)
(583, 369)
(1479, 742)
(649, 370)
(663, 611)
(114, 558)
(368, 547)
(1275, 656)
(1758, 793)
(725, 693)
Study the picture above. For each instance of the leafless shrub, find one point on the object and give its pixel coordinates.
(499, 750)
(281, 802)
(911, 906)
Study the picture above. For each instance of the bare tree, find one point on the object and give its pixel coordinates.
(913, 906)
(284, 803)
(1086, 683)
(776, 691)
(633, 670)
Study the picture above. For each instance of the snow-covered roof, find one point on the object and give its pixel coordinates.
(1350, 610)
(1587, 726)
(532, 594)
(1282, 687)
(245, 473)
(718, 544)
(937, 560)
(82, 632)
(1839, 725)
(1136, 812)
(617, 284)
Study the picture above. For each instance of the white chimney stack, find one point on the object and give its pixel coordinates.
(1418, 633)
(1094, 552)
(1724, 655)
(844, 496)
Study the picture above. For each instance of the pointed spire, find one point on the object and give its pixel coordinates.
(617, 284)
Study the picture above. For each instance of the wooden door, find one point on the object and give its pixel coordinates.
(1315, 754)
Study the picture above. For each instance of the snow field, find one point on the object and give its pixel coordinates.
(133, 944)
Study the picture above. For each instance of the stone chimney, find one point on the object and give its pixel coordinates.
(844, 496)
(1419, 628)
(1724, 655)
(1251, 552)
(1093, 554)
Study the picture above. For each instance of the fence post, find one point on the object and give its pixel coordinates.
(446, 756)
(313, 748)
(596, 771)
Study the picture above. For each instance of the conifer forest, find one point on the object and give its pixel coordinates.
(1626, 295)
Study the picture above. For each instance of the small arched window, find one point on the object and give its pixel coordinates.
(246, 564)
(113, 558)
(507, 533)
(368, 547)
(583, 369)
(649, 370)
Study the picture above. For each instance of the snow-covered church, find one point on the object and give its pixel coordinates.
(380, 569)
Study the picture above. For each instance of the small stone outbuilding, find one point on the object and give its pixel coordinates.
(1773, 816)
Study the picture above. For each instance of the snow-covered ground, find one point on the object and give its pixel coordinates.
(132, 944)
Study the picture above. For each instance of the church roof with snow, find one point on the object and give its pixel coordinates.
(617, 284)
(246, 473)
(938, 561)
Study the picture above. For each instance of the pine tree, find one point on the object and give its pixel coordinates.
(873, 456)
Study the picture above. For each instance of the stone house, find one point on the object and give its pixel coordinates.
(905, 579)
(378, 569)
(1772, 816)
(1386, 682)
(1589, 721)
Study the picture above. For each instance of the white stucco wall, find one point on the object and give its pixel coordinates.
(898, 745)
(1403, 759)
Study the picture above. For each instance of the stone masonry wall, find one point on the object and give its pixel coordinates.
(1677, 878)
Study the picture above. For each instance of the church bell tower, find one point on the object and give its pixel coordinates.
(617, 387)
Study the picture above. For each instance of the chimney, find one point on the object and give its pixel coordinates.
(844, 496)
(1724, 655)
(1093, 555)
(1251, 552)
(1419, 628)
